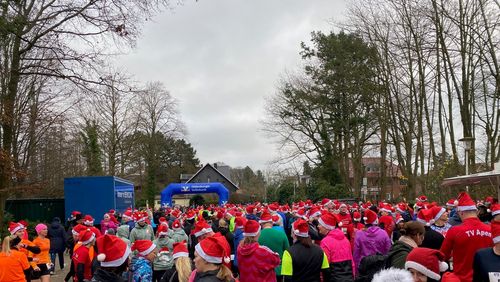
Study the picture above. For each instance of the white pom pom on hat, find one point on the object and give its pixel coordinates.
(101, 257)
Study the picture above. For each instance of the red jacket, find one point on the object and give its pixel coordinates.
(257, 263)
(462, 242)
(389, 224)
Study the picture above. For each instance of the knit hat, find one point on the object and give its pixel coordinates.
(356, 216)
(88, 220)
(176, 225)
(429, 262)
(370, 217)
(163, 230)
(495, 231)
(252, 228)
(143, 247)
(14, 227)
(265, 217)
(465, 203)
(113, 251)
(86, 236)
(329, 221)
(180, 250)
(239, 222)
(495, 209)
(300, 228)
(393, 274)
(39, 227)
(212, 250)
(201, 227)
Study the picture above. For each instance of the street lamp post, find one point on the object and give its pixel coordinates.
(468, 146)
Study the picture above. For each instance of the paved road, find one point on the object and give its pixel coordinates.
(60, 274)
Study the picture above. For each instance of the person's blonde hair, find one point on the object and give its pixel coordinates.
(183, 267)
(6, 245)
(248, 240)
(225, 274)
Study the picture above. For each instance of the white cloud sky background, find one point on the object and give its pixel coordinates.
(220, 59)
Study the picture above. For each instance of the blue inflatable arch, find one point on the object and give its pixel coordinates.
(194, 188)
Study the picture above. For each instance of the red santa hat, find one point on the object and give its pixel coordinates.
(273, 207)
(356, 216)
(422, 198)
(329, 221)
(495, 231)
(212, 250)
(190, 214)
(239, 222)
(252, 228)
(451, 203)
(180, 250)
(163, 230)
(495, 210)
(465, 203)
(314, 212)
(176, 213)
(265, 217)
(300, 228)
(450, 277)
(201, 227)
(249, 209)
(386, 208)
(14, 227)
(77, 229)
(176, 225)
(88, 220)
(425, 216)
(86, 236)
(401, 207)
(427, 261)
(436, 213)
(113, 251)
(325, 201)
(370, 217)
(301, 213)
(399, 218)
(75, 213)
(276, 218)
(143, 247)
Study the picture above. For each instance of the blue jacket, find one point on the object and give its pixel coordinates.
(238, 236)
(141, 270)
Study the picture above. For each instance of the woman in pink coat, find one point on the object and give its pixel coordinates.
(107, 223)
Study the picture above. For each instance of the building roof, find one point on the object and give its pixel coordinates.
(209, 166)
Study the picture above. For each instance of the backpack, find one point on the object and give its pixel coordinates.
(370, 265)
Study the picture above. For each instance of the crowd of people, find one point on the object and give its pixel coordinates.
(305, 241)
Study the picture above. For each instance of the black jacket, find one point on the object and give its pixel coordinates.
(306, 263)
(57, 236)
(432, 239)
(104, 276)
(208, 276)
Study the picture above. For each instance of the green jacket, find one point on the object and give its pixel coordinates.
(397, 255)
(179, 236)
(142, 233)
(123, 233)
(163, 259)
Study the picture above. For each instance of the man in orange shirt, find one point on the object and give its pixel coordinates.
(14, 266)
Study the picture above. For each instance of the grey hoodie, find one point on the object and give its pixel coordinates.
(142, 233)
(123, 233)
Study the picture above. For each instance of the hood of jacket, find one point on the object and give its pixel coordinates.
(55, 225)
(373, 231)
(123, 231)
(336, 234)
(400, 246)
(248, 249)
(162, 242)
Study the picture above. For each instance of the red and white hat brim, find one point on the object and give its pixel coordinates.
(496, 239)
(300, 234)
(207, 258)
(180, 254)
(385, 210)
(88, 241)
(88, 222)
(163, 233)
(422, 269)
(252, 234)
(262, 221)
(439, 214)
(203, 231)
(117, 262)
(495, 213)
(466, 208)
(327, 226)
(148, 250)
(18, 227)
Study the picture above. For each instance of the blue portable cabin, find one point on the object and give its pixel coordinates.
(96, 195)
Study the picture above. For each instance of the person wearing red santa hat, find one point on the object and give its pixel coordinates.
(357, 225)
(107, 223)
(257, 263)
(462, 241)
(182, 264)
(304, 261)
(371, 241)
(486, 266)
(178, 234)
(26, 247)
(142, 230)
(88, 221)
(274, 239)
(202, 230)
(336, 247)
(495, 212)
(113, 258)
(144, 253)
(84, 255)
(163, 260)
(432, 239)
(210, 256)
(425, 265)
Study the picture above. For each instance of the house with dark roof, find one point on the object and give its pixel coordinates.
(210, 173)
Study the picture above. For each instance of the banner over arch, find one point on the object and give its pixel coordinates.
(194, 188)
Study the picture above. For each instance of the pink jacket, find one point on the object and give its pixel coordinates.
(337, 248)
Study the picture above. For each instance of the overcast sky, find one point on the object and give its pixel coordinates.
(220, 60)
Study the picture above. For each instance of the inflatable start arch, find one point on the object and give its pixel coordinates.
(194, 188)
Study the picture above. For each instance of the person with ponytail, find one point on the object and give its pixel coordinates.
(41, 262)
(209, 258)
(182, 265)
(14, 265)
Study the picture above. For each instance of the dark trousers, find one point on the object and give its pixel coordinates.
(53, 259)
